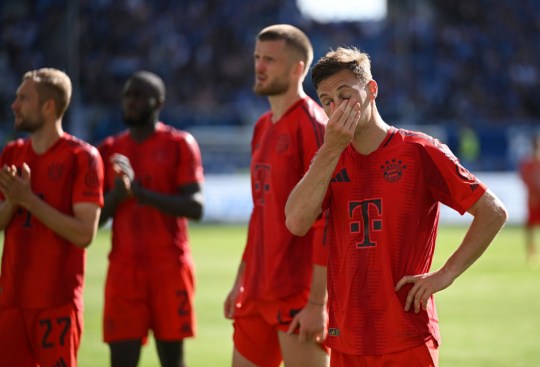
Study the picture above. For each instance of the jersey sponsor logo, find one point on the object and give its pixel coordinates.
(55, 171)
(341, 176)
(393, 170)
(366, 218)
(333, 331)
(261, 182)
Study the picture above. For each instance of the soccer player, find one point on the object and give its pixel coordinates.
(153, 185)
(278, 300)
(382, 186)
(50, 200)
(529, 170)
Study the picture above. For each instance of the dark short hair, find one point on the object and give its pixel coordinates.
(154, 81)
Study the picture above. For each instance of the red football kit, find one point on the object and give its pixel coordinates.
(150, 247)
(278, 265)
(529, 171)
(384, 212)
(40, 270)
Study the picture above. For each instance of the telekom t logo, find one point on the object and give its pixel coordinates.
(366, 217)
(261, 182)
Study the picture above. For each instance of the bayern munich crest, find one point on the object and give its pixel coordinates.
(393, 170)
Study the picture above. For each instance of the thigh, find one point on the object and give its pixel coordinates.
(172, 304)
(15, 347)
(255, 340)
(56, 335)
(298, 354)
(126, 310)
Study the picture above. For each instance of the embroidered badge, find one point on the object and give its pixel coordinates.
(393, 170)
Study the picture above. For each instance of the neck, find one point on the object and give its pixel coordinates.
(141, 133)
(368, 138)
(279, 104)
(45, 137)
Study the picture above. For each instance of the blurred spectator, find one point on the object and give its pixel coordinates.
(439, 61)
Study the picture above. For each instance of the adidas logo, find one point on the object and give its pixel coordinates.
(341, 176)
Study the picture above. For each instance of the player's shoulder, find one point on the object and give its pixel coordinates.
(313, 110)
(419, 138)
(77, 145)
(16, 144)
(168, 132)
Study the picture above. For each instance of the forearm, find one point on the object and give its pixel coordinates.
(7, 210)
(304, 203)
(111, 201)
(76, 230)
(317, 292)
(180, 205)
(489, 217)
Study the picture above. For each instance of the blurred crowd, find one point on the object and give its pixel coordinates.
(469, 64)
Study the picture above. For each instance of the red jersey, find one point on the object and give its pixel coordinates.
(40, 269)
(279, 264)
(143, 236)
(384, 212)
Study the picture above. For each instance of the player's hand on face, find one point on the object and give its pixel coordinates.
(424, 285)
(343, 121)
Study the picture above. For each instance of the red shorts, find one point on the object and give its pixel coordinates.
(45, 337)
(256, 326)
(137, 301)
(426, 355)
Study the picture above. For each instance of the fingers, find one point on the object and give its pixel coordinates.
(347, 114)
(419, 294)
(122, 165)
(294, 324)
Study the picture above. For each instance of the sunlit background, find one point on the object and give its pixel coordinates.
(465, 71)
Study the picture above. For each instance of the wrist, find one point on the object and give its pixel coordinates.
(317, 303)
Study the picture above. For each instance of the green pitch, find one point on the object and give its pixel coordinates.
(490, 316)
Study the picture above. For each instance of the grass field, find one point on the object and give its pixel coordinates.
(489, 317)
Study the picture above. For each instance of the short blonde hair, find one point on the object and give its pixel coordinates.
(52, 84)
(343, 58)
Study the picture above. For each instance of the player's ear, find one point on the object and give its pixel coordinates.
(373, 89)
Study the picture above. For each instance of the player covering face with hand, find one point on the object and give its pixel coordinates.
(383, 187)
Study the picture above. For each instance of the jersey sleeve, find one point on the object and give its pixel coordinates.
(449, 182)
(105, 149)
(191, 169)
(88, 185)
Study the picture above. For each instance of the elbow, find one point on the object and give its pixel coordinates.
(84, 241)
(502, 214)
(296, 227)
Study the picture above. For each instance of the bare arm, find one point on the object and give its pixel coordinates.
(304, 203)
(313, 318)
(230, 301)
(187, 203)
(78, 229)
(489, 217)
(7, 210)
